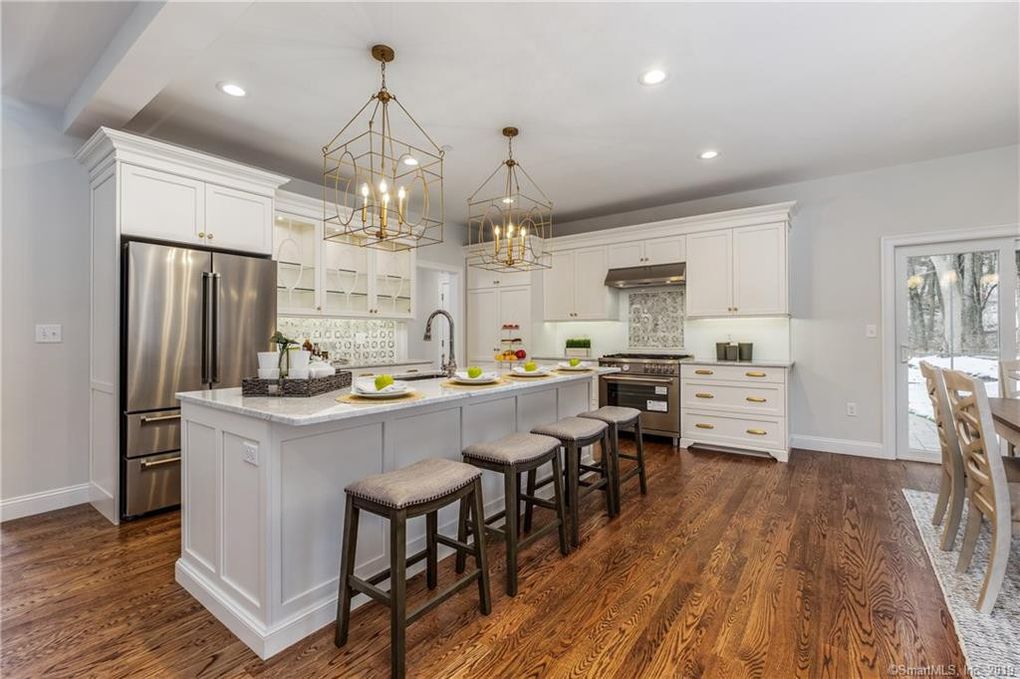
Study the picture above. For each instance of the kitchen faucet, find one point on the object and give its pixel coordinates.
(449, 366)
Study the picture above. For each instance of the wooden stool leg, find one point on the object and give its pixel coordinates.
(349, 546)
(462, 525)
(398, 592)
(573, 453)
(611, 469)
(639, 442)
(481, 562)
(529, 507)
(432, 548)
(561, 510)
(512, 505)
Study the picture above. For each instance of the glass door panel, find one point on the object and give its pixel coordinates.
(345, 278)
(393, 278)
(295, 242)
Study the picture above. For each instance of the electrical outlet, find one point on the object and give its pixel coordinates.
(49, 333)
(851, 409)
(250, 453)
(871, 331)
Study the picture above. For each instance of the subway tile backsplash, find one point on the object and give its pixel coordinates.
(359, 341)
(656, 319)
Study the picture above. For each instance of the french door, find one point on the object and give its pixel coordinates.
(956, 307)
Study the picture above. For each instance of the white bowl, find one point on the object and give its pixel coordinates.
(269, 373)
(268, 359)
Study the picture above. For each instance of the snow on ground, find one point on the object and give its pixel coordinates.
(986, 369)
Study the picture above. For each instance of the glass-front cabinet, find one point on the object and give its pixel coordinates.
(317, 277)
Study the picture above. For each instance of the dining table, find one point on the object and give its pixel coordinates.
(1006, 417)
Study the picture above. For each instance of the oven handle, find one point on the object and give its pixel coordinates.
(649, 380)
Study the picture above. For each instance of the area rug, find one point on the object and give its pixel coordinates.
(991, 643)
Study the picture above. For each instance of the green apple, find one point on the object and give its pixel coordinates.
(531, 366)
(474, 371)
(574, 362)
(383, 381)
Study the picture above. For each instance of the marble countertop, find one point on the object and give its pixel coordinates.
(325, 408)
(755, 363)
(372, 366)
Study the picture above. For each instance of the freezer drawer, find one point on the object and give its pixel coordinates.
(152, 483)
(151, 433)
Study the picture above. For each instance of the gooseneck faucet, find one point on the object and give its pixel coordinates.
(449, 366)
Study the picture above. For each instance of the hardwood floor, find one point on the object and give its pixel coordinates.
(730, 567)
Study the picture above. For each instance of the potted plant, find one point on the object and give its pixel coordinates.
(578, 347)
(282, 343)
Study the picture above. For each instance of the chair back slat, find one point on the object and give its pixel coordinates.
(1009, 379)
(952, 458)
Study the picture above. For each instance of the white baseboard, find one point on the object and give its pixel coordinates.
(45, 501)
(840, 446)
(919, 456)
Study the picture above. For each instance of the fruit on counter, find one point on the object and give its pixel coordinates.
(383, 381)
(574, 362)
(474, 372)
(521, 354)
(531, 366)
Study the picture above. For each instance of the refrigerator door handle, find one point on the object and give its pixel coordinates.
(215, 344)
(206, 310)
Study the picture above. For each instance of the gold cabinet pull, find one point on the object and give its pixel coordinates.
(757, 432)
(704, 395)
(702, 425)
(209, 236)
(754, 373)
(756, 399)
(703, 371)
(201, 234)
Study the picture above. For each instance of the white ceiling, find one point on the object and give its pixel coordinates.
(784, 91)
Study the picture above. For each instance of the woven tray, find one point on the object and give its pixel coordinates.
(254, 386)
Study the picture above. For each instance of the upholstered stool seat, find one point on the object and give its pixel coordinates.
(622, 418)
(422, 488)
(574, 434)
(511, 456)
(420, 482)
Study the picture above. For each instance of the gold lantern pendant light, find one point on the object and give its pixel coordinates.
(509, 218)
(380, 191)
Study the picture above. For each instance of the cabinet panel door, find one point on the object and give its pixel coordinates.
(345, 272)
(515, 307)
(480, 278)
(665, 250)
(296, 247)
(238, 220)
(482, 324)
(759, 270)
(592, 300)
(710, 273)
(622, 255)
(558, 287)
(393, 283)
(161, 205)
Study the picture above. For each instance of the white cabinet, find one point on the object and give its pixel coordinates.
(170, 207)
(738, 272)
(480, 278)
(488, 310)
(515, 308)
(646, 252)
(296, 251)
(574, 288)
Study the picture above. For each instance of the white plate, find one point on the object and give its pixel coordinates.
(540, 372)
(382, 395)
(368, 390)
(484, 378)
(563, 365)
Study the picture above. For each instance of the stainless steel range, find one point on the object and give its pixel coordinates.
(648, 382)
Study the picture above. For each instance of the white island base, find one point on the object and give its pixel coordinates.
(262, 490)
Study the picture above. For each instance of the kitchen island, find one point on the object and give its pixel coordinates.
(262, 488)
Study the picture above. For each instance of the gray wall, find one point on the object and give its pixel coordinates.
(835, 266)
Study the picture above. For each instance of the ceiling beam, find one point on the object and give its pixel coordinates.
(157, 42)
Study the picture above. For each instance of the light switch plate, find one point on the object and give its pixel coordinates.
(871, 331)
(250, 453)
(49, 333)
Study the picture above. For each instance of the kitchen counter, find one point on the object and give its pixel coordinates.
(262, 482)
(752, 364)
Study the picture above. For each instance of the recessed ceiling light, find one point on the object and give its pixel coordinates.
(708, 155)
(508, 200)
(410, 160)
(233, 89)
(653, 77)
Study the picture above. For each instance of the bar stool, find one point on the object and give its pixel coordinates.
(421, 488)
(621, 419)
(511, 456)
(574, 433)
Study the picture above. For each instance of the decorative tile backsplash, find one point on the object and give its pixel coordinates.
(656, 319)
(359, 341)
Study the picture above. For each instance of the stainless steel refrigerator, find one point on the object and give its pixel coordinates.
(191, 319)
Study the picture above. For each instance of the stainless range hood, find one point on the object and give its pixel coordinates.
(647, 276)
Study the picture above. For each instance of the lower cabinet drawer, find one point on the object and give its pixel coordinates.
(742, 373)
(753, 399)
(740, 432)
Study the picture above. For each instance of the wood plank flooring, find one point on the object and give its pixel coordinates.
(730, 567)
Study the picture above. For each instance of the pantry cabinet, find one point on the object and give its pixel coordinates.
(488, 310)
(738, 272)
(574, 287)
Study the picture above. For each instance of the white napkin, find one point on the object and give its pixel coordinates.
(541, 370)
(367, 386)
(484, 377)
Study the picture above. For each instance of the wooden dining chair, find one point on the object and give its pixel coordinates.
(1009, 385)
(951, 489)
(990, 493)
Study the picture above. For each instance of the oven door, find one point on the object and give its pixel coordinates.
(658, 399)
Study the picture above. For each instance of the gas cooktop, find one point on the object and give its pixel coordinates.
(648, 357)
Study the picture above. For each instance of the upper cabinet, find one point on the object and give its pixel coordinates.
(647, 252)
(480, 278)
(738, 272)
(238, 220)
(161, 205)
(574, 287)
